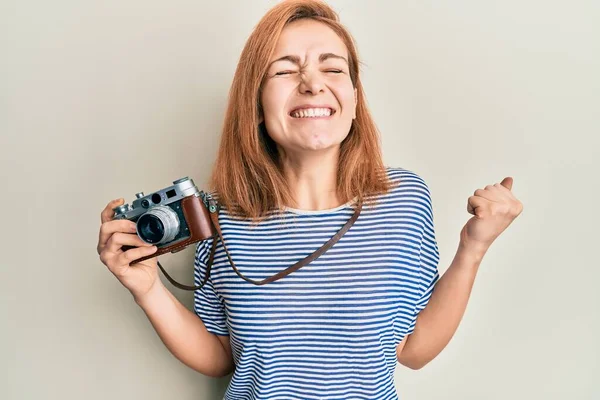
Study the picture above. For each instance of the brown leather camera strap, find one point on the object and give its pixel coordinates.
(208, 267)
(299, 264)
(215, 220)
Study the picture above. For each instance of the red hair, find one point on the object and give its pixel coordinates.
(247, 176)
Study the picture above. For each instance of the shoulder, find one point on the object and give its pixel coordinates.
(202, 252)
(407, 181)
(410, 191)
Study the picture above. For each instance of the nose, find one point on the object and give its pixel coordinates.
(311, 82)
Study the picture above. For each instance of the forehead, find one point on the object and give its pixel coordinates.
(306, 36)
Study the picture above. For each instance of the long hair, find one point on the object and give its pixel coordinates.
(246, 175)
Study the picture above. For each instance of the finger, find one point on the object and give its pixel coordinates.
(503, 192)
(119, 239)
(107, 214)
(129, 256)
(107, 229)
(476, 205)
(507, 182)
(486, 194)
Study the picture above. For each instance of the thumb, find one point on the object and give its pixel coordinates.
(507, 182)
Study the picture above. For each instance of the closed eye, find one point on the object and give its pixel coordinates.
(335, 71)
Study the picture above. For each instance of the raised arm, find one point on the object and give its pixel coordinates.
(494, 208)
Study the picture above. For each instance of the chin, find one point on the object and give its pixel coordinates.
(323, 141)
(321, 146)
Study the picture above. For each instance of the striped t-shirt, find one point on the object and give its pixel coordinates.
(330, 329)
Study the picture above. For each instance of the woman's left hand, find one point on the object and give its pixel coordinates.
(494, 208)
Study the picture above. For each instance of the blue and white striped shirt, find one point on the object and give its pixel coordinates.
(330, 329)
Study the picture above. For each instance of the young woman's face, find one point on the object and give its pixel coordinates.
(308, 99)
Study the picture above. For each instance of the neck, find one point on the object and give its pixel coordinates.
(312, 179)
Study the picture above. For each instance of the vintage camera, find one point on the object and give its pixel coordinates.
(171, 218)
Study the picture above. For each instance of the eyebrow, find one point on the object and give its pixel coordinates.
(296, 60)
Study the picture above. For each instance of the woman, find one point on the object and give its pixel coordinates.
(299, 153)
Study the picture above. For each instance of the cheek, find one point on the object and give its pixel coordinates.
(273, 103)
(273, 99)
(266, 100)
(343, 90)
(347, 98)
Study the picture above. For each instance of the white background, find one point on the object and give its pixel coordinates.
(103, 99)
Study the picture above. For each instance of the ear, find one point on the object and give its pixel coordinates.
(355, 102)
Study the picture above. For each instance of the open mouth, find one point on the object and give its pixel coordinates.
(312, 113)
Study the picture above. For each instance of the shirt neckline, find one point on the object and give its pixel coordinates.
(319, 212)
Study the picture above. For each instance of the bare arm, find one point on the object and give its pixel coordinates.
(439, 320)
(185, 335)
(494, 208)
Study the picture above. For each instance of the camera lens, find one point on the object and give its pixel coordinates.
(159, 225)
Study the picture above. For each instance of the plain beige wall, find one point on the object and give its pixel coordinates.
(103, 99)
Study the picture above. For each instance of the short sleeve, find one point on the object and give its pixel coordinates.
(208, 305)
(429, 257)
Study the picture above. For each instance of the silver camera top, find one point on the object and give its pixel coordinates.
(181, 188)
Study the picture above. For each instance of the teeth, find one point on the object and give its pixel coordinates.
(312, 112)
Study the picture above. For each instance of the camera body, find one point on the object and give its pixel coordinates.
(171, 218)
